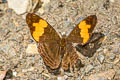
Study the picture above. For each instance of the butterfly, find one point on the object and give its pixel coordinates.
(59, 52)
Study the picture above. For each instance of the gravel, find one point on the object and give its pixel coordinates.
(63, 15)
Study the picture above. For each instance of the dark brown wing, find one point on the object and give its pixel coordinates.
(89, 49)
(50, 54)
(82, 32)
(70, 57)
(47, 39)
(40, 29)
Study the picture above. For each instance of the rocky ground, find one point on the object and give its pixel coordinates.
(18, 50)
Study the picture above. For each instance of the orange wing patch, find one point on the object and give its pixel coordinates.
(39, 29)
(84, 31)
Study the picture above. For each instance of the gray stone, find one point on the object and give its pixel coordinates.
(89, 68)
(19, 6)
(101, 58)
(105, 75)
(116, 50)
(79, 78)
(112, 56)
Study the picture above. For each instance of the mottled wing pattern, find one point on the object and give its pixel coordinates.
(47, 39)
(50, 53)
(83, 31)
(70, 57)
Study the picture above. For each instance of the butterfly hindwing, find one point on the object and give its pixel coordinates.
(70, 57)
(51, 55)
(89, 49)
(47, 38)
(82, 32)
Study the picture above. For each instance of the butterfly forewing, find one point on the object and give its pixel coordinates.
(40, 29)
(82, 32)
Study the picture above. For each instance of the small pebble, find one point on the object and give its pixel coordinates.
(32, 49)
(114, 20)
(101, 58)
(105, 75)
(89, 68)
(112, 56)
(4, 1)
(116, 50)
(112, 0)
(19, 6)
(61, 78)
(14, 73)
(79, 78)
